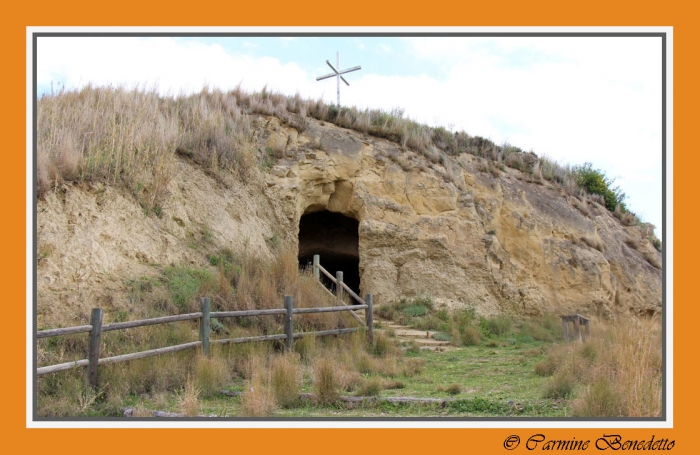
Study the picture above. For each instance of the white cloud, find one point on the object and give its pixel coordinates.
(170, 65)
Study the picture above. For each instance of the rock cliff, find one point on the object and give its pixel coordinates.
(457, 230)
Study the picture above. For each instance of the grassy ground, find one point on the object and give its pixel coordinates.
(477, 381)
(495, 367)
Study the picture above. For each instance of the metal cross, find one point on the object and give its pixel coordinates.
(338, 74)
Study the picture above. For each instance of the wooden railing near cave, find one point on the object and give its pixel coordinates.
(341, 287)
(95, 330)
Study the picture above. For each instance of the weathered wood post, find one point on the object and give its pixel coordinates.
(317, 262)
(205, 325)
(94, 346)
(288, 328)
(587, 324)
(369, 318)
(577, 328)
(339, 286)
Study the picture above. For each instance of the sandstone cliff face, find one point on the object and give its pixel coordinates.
(466, 237)
(501, 243)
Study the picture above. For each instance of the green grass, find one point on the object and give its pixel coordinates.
(498, 382)
(184, 284)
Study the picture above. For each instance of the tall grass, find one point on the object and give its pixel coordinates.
(616, 373)
(130, 137)
(286, 377)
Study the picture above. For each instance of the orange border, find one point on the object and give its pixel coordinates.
(359, 12)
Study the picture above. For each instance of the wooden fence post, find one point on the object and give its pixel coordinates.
(205, 325)
(94, 346)
(369, 318)
(317, 262)
(577, 328)
(339, 286)
(288, 328)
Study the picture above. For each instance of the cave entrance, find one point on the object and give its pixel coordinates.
(335, 238)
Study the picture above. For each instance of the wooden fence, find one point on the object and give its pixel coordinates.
(95, 330)
(341, 287)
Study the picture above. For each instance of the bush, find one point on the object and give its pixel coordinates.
(415, 310)
(469, 335)
(596, 182)
(497, 326)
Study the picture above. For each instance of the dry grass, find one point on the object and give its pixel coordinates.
(652, 259)
(594, 243)
(369, 387)
(258, 399)
(211, 374)
(326, 383)
(188, 398)
(130, 137)
(616, 373)
(286, 379)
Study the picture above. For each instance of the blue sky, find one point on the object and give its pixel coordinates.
(573, 99)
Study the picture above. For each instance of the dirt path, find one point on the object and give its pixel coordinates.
(424, 338)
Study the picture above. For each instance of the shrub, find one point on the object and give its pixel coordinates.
(469, 335)
(415, 310)
(596, 182)
(496, 326)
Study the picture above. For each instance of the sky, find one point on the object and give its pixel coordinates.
(572, 99)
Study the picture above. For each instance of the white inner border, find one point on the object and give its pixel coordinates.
(129, 423)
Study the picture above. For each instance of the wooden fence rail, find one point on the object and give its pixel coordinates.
(340, 287)
(95, 330)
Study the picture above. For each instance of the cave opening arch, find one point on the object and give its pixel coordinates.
(334, 237)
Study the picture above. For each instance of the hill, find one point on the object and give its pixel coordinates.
(131, 184)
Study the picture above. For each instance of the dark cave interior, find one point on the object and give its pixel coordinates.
(335, 238)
